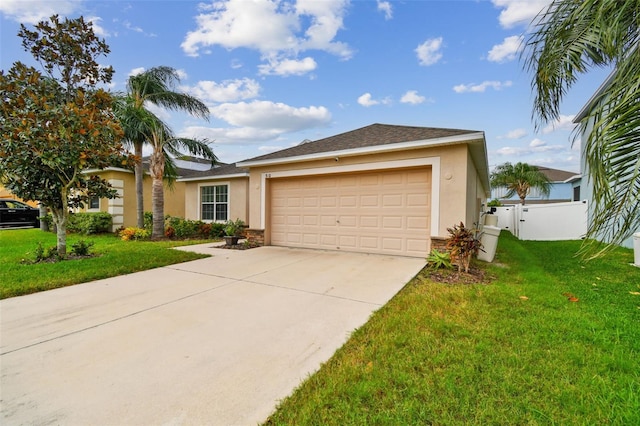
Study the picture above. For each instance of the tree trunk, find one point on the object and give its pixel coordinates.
(157, 199)
(60, 220)
(157, 193)
(139, 175)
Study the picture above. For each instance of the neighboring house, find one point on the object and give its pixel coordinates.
(124, 208)
(378, 189)
(587, 185)
(565, 186)
(5, 193)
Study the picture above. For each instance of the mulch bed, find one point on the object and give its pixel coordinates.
(452, 276)
(245, 245)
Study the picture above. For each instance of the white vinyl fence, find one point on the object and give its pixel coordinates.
(545, 222)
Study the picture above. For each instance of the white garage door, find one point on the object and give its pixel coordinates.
(386, 212)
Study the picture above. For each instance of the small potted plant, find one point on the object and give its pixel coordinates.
(233, 231)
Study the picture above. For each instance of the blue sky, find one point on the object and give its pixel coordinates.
(277, 72)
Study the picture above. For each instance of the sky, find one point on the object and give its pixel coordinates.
(277, 72)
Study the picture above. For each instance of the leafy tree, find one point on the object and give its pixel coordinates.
(57, 125)
(570, 38)
(154, 86)
(519, 179)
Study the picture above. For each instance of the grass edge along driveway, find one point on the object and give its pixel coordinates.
(114, 257)
(551, 341)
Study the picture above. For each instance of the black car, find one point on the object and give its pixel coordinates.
(16, 213)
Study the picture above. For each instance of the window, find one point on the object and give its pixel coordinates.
(214, 203)
(94, 203)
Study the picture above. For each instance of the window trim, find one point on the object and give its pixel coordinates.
(204, 184)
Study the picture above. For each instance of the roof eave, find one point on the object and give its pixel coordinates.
(213, 177)
(593, 99)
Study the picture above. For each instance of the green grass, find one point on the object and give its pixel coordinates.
(516, 351)
(115, 257)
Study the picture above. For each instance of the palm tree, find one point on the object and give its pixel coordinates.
(163, 142)
(153, 86)
(570, 38)
(519, 179)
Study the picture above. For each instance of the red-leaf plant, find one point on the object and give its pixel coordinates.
(463, 243)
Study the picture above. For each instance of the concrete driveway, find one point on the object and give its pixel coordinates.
(216, 341)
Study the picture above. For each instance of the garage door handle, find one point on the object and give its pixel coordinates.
(337, 221)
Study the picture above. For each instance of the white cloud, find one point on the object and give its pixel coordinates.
(278, 117)
(367, 100)
(514, 134)
(429, 51)
(98, 30)
(517, 12)
(128, 25)
(288, 67)
(479, 88)
(386, 8)
(564, 122)
(182, 74)
(277, 29)
(225, 91)
(534, 147)
(136, 71)
(258, 122)
(506, 51)
(34, 11)
(412, 97)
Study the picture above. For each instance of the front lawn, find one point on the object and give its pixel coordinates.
(115, 257)
(550, 341)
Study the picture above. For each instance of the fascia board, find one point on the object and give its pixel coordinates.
(213, 177)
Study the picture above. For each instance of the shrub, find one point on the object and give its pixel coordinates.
(90, 223)
(148, 221)
(463, 243)
(184, 228)
(234, 228)
(132, 233)
(217, 230)
(439, 260)
(81, 248)
(42, 254)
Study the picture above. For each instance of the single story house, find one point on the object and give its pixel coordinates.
(384, 189)
(565, 187)
(379, 189)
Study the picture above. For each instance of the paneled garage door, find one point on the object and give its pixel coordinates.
(386, 212)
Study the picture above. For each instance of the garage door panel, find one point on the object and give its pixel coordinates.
(417, 223)
(378, 212)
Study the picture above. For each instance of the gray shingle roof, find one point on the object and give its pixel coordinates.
(556, 175)
(372, 135)
(223, 170)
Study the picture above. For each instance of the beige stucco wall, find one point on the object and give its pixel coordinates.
(5, 193)
(457, 201)
(124, 208)
(238, 197)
